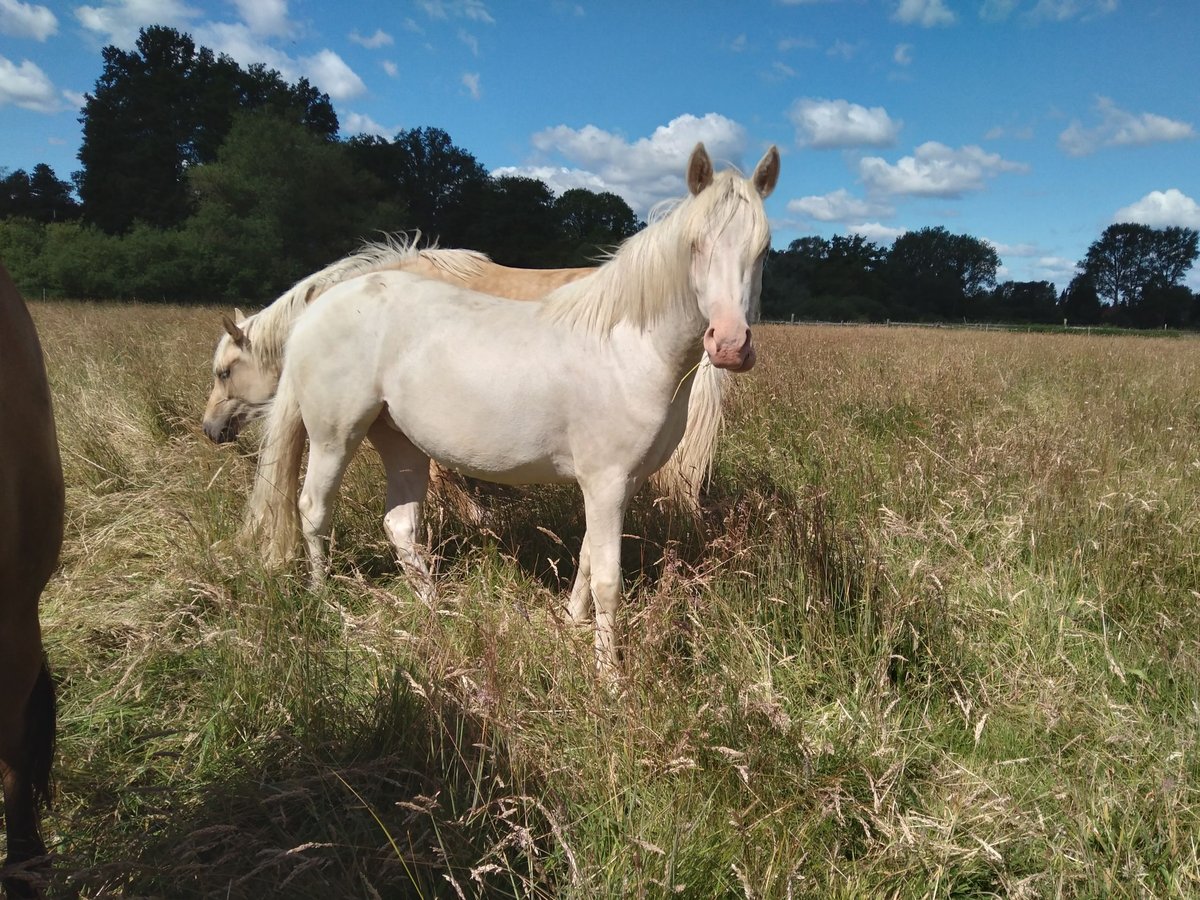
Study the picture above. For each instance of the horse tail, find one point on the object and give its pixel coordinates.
(41, 715)
(683, 475)
(273, 513)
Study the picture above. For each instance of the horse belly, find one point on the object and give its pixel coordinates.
(495, 427)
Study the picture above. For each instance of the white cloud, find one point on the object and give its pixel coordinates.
(997, 10)
(838, 123)
(558, 178)
(926, 13)
(470, 40)
(644, 171)
(1062, 10)
(902, 55)
(27, 86)
(357, 123)
(329, 72)
(26, 20)
(473, 10)
(876, 233)
(843, 50)
(1160, 209)
(470, 80)
(934, 170)
(391, 68)
(837, 206)
(1058, 269)
(1118, 128)
(1025, 251)
(237, 40)
(379, 39)
(268, 18)
(738, 44)
(118, 21)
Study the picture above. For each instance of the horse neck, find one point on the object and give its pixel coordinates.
(646, 284)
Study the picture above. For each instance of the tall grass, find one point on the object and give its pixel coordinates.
(938, 636)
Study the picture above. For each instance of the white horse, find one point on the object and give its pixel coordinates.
(249, 356)
(590, 385)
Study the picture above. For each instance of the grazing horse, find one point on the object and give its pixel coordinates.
(31, 529)
(589, 385)
(249, 355)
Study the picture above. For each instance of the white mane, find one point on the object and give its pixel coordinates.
(269, 328)
(649, 273)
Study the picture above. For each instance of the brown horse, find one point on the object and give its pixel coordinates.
(31, 528)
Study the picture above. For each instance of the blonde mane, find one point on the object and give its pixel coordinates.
(269, 328)
(649, 274)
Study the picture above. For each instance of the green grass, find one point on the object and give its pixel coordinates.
(937, 637)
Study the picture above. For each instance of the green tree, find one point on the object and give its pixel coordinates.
(1024, 301)
(935, 272)
(1079, 303)
(591, 223)
(159, 110)
(39, 196)
(513, 220)
(1129, 257)
(278, 203)
(432, 179)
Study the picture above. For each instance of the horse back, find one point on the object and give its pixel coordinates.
(31, 481)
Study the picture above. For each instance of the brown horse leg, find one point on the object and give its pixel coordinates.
(25, 756)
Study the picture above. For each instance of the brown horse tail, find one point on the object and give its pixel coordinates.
(273, 513)
(41, 714)
(682, 477)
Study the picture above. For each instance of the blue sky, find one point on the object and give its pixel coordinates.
(1033, 124)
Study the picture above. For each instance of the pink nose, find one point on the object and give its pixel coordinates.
(733, 349)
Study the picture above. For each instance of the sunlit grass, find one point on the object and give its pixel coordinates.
(940, 638)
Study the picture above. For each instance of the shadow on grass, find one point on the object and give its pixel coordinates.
(412, 800)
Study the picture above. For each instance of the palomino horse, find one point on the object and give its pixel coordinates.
(589, 385)
(31, 529)
(249, 356)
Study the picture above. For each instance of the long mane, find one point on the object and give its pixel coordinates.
(269, 328)
(649, 274)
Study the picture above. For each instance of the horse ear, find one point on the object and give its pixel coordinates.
(766, 173)
(699, 170)
(239, 336)
(238, 316)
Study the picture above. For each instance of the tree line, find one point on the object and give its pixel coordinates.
(1131, 276)
(203, 180)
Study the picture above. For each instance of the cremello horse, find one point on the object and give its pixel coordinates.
(249, 356)
(589, 385)
(31, 528)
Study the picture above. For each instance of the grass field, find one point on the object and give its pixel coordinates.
(938, 637)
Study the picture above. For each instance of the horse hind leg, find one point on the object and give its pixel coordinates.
(407, 471)
(26, 752)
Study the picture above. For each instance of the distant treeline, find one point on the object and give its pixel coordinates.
(1131, 276)
(204, 181)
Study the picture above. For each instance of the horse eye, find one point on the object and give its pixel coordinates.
(223, 375)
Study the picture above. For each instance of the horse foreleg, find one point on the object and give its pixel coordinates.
(604, 510)
(408, 472)
(327, 461)
(579, 609)
(26, 746)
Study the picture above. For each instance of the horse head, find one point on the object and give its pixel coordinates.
(242, 386)
(730, 241)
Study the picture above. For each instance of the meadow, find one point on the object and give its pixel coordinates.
(936, 636)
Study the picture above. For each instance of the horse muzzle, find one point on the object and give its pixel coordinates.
(733, 352)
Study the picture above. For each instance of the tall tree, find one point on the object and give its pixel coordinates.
(1128, 258)
(1079, 303)
(592, 223)
(40, 196)
(162, 108)
(277, 203)
(935, 270)
(432, 178)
